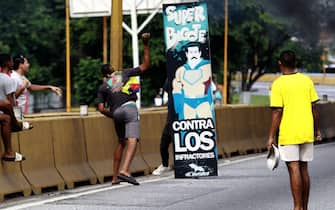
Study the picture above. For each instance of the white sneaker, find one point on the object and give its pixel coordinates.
(161, 169)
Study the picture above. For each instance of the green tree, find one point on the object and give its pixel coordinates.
(87, 79)
(257, 34)
(36, 30)
(254, 38)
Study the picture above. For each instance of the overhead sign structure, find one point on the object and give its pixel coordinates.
(189, 72)
(147, 6)
(90, 8)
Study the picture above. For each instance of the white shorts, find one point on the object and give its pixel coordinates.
(296, 152)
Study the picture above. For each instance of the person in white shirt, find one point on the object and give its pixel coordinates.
(21, 67)
(8, 121)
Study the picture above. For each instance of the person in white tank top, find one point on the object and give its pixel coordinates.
(24, 86)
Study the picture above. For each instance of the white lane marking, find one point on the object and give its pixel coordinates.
(76, 195)
(230, 162)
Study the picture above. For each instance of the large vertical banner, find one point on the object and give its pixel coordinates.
(189, 71)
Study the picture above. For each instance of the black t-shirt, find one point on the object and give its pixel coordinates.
(110, 90)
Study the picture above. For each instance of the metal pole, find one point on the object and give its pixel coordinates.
(225, 59)
(151, 16)
(116, 35)
(68, 75)
(104, 39)
(134, 33)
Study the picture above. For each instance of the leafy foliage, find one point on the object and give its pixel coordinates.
(36, 31)
(256, 37)
(87, 80)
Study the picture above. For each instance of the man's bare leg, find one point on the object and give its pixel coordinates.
(296, 183)
(117, 159)
(7, 108)
(6, 135)
(305, 183)
(130, 153)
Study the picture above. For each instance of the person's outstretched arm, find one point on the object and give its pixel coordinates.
(146, 55)
(55, 89)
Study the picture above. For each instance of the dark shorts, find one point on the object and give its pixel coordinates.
(126, 120)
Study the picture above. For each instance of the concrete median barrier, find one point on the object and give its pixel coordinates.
(70, 151)
(219, 123)
(226, 134)
(235, 130)
(327, 116)
(138, 165)
(101, 141)
(243, 130)
(260, 123)
(11, 177)
(152, 125)
(39, 168)
(332, 118)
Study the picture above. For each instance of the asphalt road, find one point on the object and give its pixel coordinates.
(244, 183)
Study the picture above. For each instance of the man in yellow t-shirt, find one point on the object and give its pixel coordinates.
(292, 100)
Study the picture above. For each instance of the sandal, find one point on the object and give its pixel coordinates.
(18, 158)
(128, 179)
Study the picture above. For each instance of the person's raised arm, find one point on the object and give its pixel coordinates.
(146, 55)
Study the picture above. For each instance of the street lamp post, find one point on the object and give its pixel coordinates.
(105, 39)
(116, 35)
(68, 74)
(225, 59)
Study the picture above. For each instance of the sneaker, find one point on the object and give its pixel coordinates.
(161, 169)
